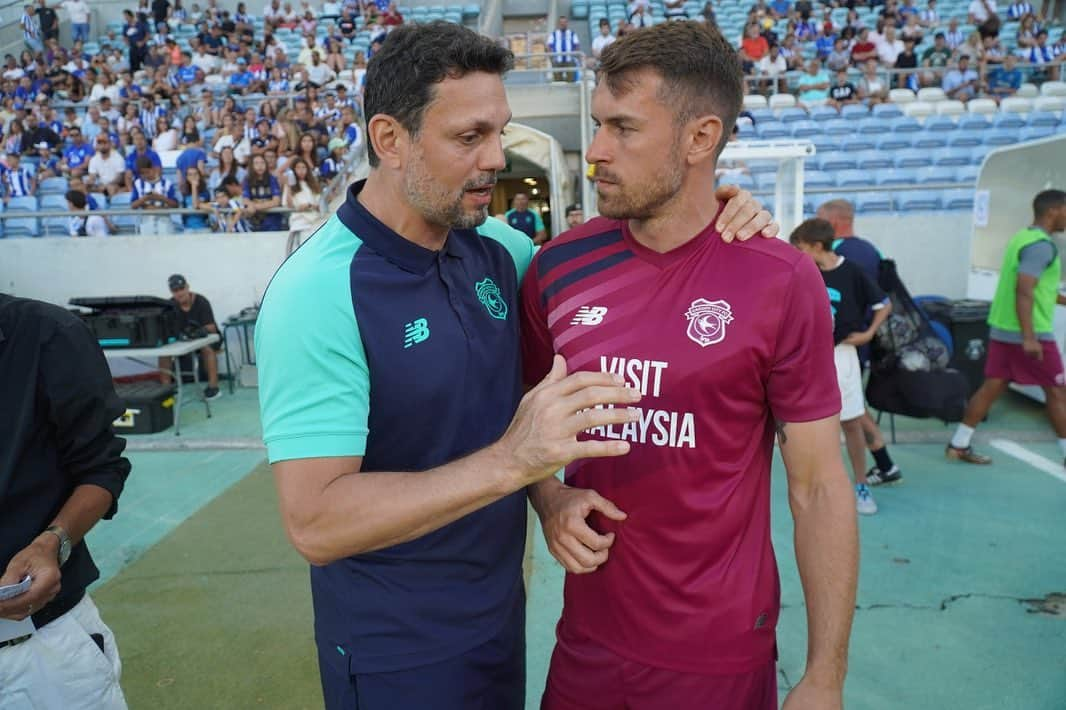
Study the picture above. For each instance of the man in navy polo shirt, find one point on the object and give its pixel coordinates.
(389, 374)
(525, 220)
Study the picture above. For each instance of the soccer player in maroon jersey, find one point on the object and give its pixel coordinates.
(672, 592)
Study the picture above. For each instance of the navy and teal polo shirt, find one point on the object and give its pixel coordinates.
(370, 345)
(526, 221)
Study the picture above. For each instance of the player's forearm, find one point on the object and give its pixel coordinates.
(880, 316)
(362, 512)
(1023, 302)
(540, 491)
(827, 553)
(86, 505)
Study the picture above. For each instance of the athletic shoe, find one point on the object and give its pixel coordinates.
(211, 393)
(864, 500)
(875, 478)
(968, 455)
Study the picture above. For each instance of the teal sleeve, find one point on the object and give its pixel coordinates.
(314, 384)
(538, 223)
(517, 244)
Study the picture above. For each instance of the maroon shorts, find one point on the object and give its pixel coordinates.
(586, 676)
(1007, 361)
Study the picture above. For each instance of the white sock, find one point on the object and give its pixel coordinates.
(1062, 447)
(962, 437)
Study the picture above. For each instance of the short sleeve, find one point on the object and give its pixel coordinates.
(1034, 259)
(517, 244)
(871, 293)
(314, 383)
(802, 384)
(537, 346)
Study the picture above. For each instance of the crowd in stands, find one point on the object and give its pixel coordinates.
(231, 121)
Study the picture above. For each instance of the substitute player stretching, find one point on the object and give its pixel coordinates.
(672, 595)
(1021, 346)
(851, 295)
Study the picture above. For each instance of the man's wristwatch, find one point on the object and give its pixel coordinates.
(64, 543)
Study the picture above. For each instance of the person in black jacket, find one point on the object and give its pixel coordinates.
(61, 471)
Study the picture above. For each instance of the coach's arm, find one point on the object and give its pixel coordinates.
(827, 554)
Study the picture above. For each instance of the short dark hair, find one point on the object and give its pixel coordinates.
(76, 198)
(700, 69)
(400, 77)
(1046, 201)
(814, 231)
(939, 35)
(144, 163)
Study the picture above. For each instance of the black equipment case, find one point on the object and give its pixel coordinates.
(130, 321)
(149, 407)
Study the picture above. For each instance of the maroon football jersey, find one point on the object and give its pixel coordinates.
(721, 339)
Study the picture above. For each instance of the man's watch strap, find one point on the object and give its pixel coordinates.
(63, 554)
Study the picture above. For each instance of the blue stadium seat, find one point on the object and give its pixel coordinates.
(913, 158)
(824, 113)
(741, 180)
(1001, 136)
(757, 167)
(54, 226)
(948, 157)
(968, 173)
(930, 141)
(858, 143)
(887, 111)
(918, 200)
(762, 115)
(978, 154)
(937, 174)
(895, 141)
(960, 199)
(898, 176)
(53, 186)
(814, 179)
(126, 224)
(939, 124)
(765, 181)
(577, 11)
(1042, 119)
(791, 114)
(825, 144)
(854, 111)
(21, 226)
(974, 122)
(1009, 120)
(875, 160)
(837, 161)
(869, 202)
(1031, 133)
(769, 131)
(870, 126)
(966, 139)
(805, 129)
(906, 124)
(838, 127)
(855, 178)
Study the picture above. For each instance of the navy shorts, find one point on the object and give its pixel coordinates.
(491, 676)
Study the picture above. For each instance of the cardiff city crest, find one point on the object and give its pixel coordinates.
(707, 321)
(489, 295)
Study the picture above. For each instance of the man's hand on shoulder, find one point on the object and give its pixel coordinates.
(743, 216)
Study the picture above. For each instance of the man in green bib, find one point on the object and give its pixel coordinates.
(1022, 347)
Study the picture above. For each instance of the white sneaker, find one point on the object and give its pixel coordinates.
(864, 500)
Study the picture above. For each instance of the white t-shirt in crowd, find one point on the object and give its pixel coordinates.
(78, 11)
(600, 43)
(108, 169)
(980, 12)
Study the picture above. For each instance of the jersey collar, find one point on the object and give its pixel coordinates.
(400, 251)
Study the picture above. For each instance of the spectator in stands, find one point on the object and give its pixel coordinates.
(772, 69)
(812, 88)
(303, 194)
(575, 216)
(107, 169)
(152, 191)
(961, 82)
(195, 195)
(79, 19)
(864, 49)
(675, 9)
(319, 74)
(912, 29)
(954, 36)
(907, 59)
(18, 180)
(47, 162)
(973, 48)
(872, 88)
(825, 41)
(391, 17)
(991, 52)
(639, 15)
(140, 150)
(234, 138)
(166, 136)
(842, 92)
(1004, 80)
(603, 40)
(272, 15)
(888, 47)
(840, 58)
(526, 220)
(936, 58)
(83, 223)
(76, 156)
(560, 43)
(929, 17)
(135, 33)
(753, 47)
(982, 13)
(31, 30)
(1019, 9)
(48, 20)
(261, 193)
(14, 140)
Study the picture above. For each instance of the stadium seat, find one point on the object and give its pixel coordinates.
(913, 158)
(871, 126)
(950, 157)
(998, 137)
(869, 202)
(930, 140)
(937, 174)
(966, 139)
(905, 124)
(815, 179)
(806, 129)
(825, 144)
(974, 122)
(887, 111)
(742, 180)
(918, 200)
(855, 178)
(931, 94)
(958, 199)
(21, 226)
(765, 181)
(763, 115)
(871, 160)
(53, 186)
(1049, 103)
(837, 161)
(901, 96)
(781, 101)
(753, 101)
(950, 107)
(968, 173)
(858, 143)
(888, 178)
(771, 131)
(126, 224)
(854, 111)
(1053, 88)
(982, 106)
(1028, 91)
(918, 109)
(824, 113)
(54, 226)
(791, 114)
(939, 124)
(838, 127)
(1033, 133)
(1015, 104)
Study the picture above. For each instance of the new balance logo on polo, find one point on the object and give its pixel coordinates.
(589, 315)
(415, 332)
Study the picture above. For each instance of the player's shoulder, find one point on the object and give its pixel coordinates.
(517, 244)
(774, 253)
(318, 271)
(595, 227)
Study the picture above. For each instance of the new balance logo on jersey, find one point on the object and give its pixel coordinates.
(589, 315)
(415, 332)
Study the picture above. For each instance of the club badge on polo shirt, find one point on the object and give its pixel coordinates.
(707, 321)
(489, 295)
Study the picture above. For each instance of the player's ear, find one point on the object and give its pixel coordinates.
(705, 133)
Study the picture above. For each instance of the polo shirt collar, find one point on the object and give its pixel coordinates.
(398, 250)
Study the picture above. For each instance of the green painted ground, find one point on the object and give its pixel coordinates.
(211, 606)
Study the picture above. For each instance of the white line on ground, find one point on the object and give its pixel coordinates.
(1051, 468)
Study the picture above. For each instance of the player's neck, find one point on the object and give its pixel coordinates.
(828, 260)
(384, 198)
(677, 222)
